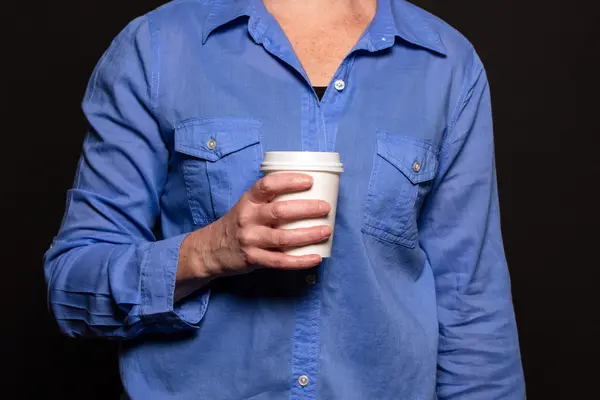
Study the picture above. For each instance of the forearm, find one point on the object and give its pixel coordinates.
(107, 275)
(478, 348)
(118, 291)
(478, 354)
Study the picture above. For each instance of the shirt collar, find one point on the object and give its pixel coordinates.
(393, 18)
(398, 18)
(225, 11)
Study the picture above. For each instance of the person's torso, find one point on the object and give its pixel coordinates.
(366, 327)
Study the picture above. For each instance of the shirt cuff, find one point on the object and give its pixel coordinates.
(158, 278)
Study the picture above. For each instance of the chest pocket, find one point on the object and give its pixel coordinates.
(220, 160)
(401, 177)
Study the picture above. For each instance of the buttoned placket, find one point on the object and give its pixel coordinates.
(319, 124)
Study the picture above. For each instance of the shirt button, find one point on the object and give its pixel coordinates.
(311, 279)
(211, 144)
(417, 166)
(303, 380)
(339, 85)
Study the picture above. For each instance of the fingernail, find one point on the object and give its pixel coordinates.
(305, 179)
(315, 258)
(323, 206)
(325, 231)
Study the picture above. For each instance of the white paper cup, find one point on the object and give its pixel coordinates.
(325, 168)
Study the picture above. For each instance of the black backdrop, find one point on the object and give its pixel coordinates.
(538, 56)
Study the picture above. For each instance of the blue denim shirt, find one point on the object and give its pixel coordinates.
(414, 302)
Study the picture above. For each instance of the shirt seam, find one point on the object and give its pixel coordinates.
(467, 86)
(155, 63)
(153, 31)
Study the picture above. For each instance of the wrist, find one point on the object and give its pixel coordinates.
(196, 266)
(196, 257)
(207, 242)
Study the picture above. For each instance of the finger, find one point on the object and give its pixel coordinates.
(267, 188)
(290, 210)
(279, 260)
(269, 238)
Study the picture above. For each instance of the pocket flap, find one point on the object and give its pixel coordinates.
(416, 159)
(211, 139)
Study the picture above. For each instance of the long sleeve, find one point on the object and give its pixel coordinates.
(479, 354)
(107, 274)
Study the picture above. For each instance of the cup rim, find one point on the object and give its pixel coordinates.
(283, 163)
(301, 152)
(325, 167)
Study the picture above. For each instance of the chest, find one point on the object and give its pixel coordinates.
(244, 101)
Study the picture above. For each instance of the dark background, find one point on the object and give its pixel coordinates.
(544, 84)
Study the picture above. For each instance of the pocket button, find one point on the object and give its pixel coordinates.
(416, 166)
(211, 144)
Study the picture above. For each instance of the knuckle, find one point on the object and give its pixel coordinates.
(278, 262)
(279, 210)
(249, 256)
(265, 185)
(281, 239)
(245, 237)
(244, 216)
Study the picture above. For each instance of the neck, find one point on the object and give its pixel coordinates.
(318, 3)
(318, 7)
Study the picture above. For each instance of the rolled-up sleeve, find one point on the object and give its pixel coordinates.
(479, 354)
(107, 274)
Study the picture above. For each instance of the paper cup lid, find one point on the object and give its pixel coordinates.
(302, 161)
